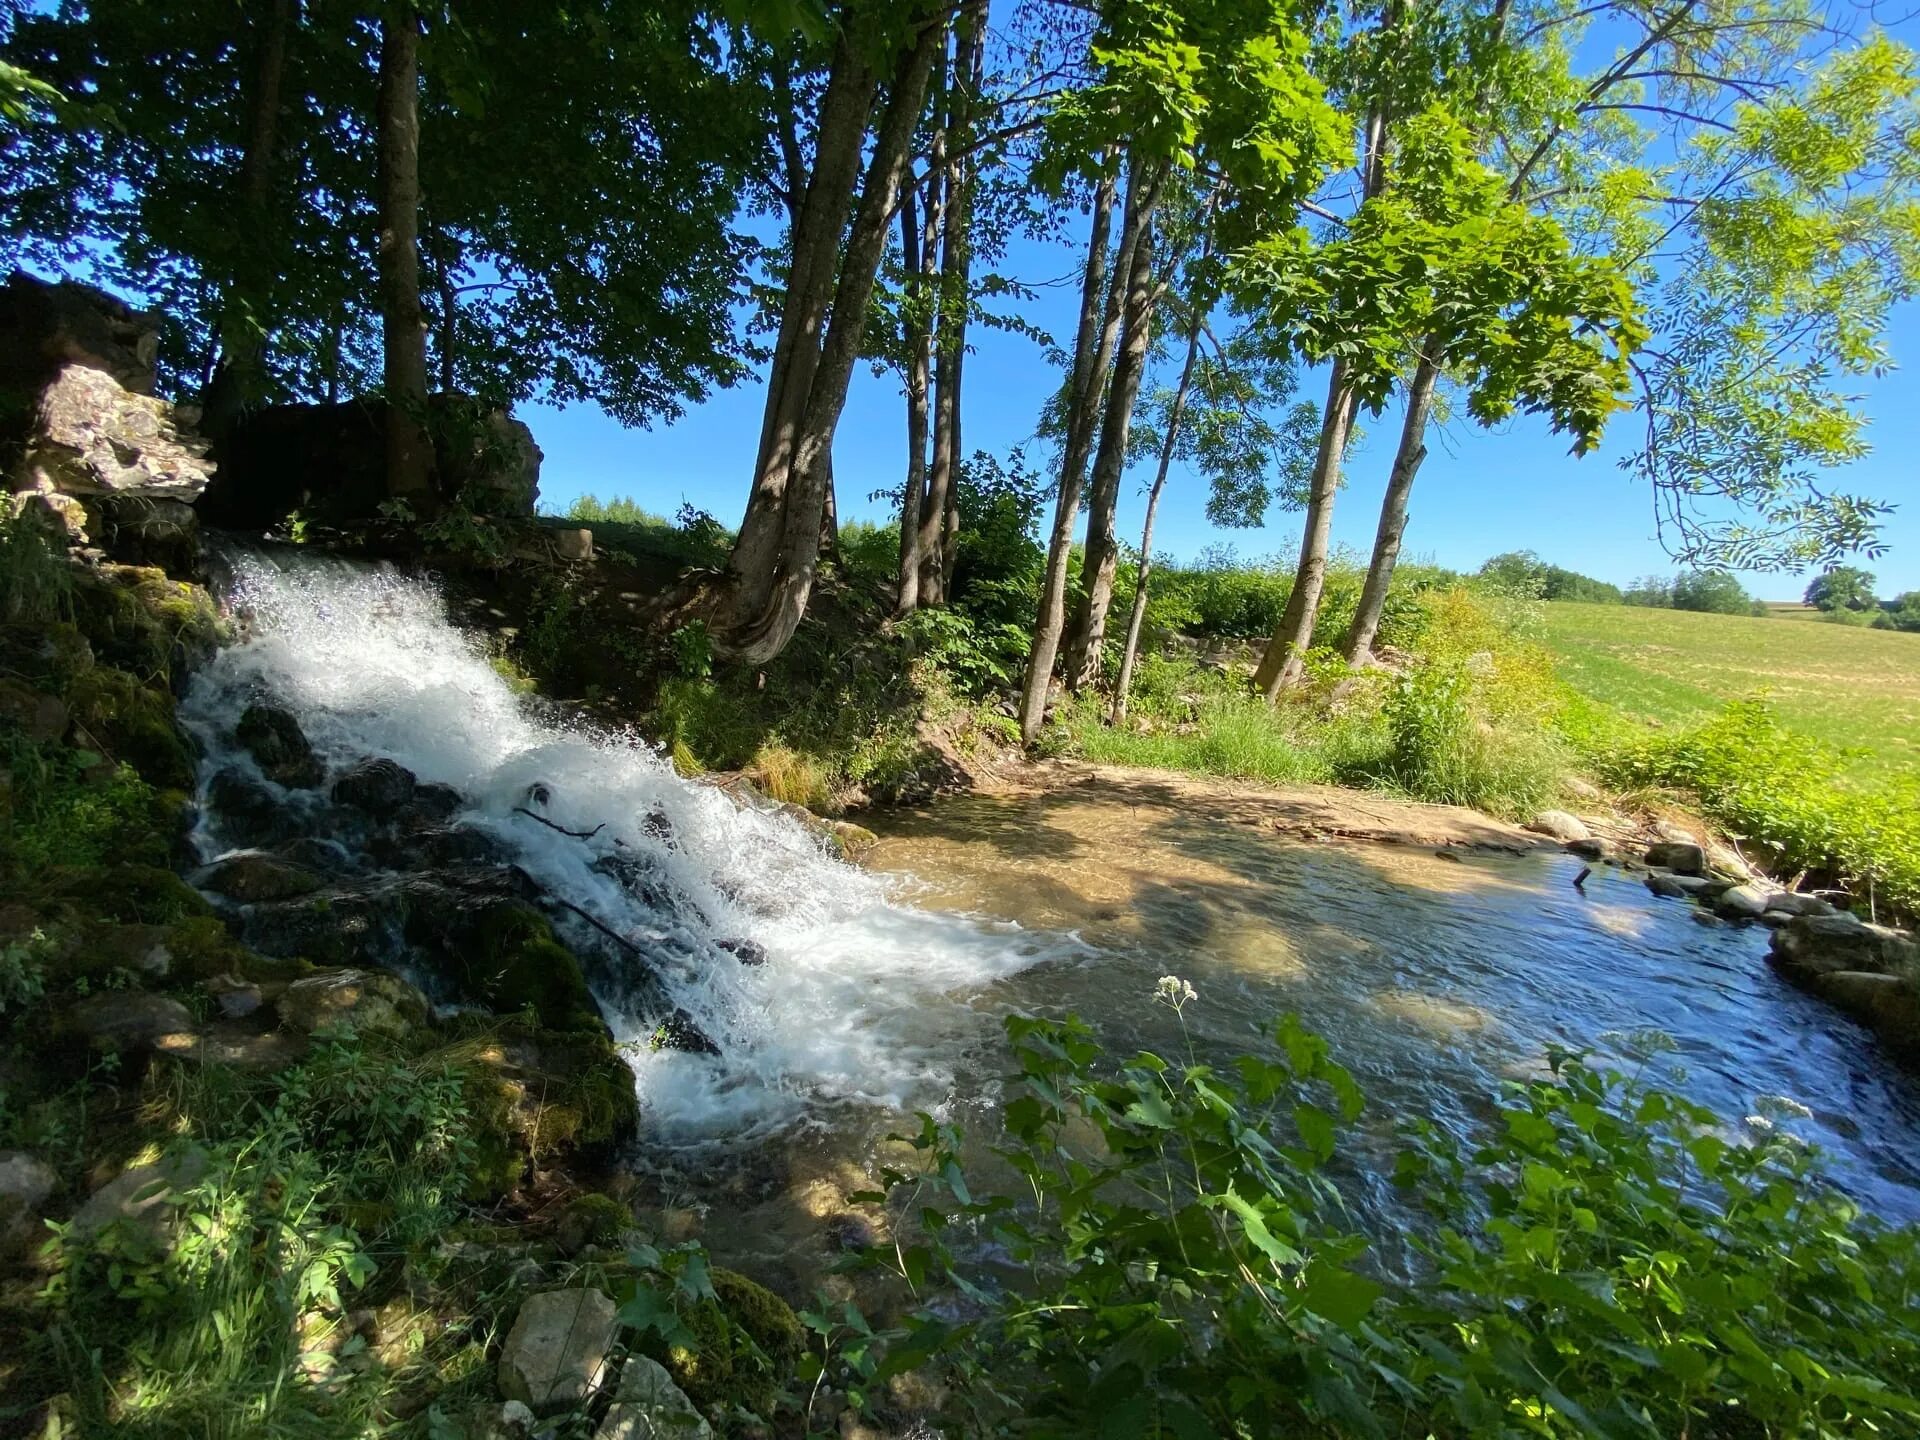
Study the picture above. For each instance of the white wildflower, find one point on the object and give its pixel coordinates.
(1174, 991)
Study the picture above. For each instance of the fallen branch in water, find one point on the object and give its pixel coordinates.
(561, 829)
(602, 927)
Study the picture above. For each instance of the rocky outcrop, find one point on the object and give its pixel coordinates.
(127, 1020)
(352, 1002)
(1870, 971)
(329, 463)
(557, 1350)
(91, 437)
(44, 327)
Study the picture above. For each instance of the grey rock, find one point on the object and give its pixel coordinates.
(1559, 825)
(44, 327)
(1666, 886)
(1683, 857)
(92, 437)
(1884, 1002)
(128, 1020)
(1791, 903)
(1576, 788)
(1592, 848)
(649, 1406)
(1813, 945)
(573, 545)
(141, 529)
(1741, 902)
(39, 715)
(142, 1204)
(236, 998)
(279, 746)
(557, 1350)
(237, 1047)
(511, 1421)
(25, 1184)
(246, 812)
(353, 1001)
(380, 787)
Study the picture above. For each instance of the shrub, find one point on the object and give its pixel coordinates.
(1609, 1259)
(36, 583)
(1715, 592)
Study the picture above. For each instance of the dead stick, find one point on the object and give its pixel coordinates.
(574, 834)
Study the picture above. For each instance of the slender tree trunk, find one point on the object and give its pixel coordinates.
(761, 631)
(1283, 663)
(409, 450)
(830, 517)
(1393, 509)
(1089, 366)
(449, 331)
(840, 135)
(239, 379)
(1087, 636)
(1137, 616)
(956, 265)
(919, 362)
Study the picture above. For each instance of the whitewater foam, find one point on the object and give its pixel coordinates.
(842, 1010)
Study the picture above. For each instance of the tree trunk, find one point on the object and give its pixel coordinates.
(239, 379)
(449, 331)
(1168, 442)
(409, 450)
(761, 628)
(1283, 663)
(1090, 348)
(1393, 509)
(1087, 636)
(956, 265)
(840, 135)
(919, 362)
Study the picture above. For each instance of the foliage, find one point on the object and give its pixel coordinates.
(1524, 575)
(1789, 795)
(36, 584)
(71, 807)
(23, 971)
(1607, 1259)
(1841, 587)
(1801, 235)
(1714, 592)
(1900, 613)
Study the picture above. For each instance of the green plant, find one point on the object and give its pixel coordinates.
(36, 583)
(692, 650)
(23, 971)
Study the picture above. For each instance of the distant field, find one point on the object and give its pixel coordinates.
(1851, 687)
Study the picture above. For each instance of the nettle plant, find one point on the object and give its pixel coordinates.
(1613, 1260)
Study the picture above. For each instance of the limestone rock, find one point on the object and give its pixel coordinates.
(380, 787)
(91, 437)
(142, 529)
(1592, 848)
(143, 1202)
(1683, 857)
(252, 876)
(1559, 825)
(278, 745)
(1668, 887)
(122, 1020)
(1576, 788)
(1812, 945)
(511, 1421)
(358, 1001)
(649, 1406)
(575, 546)
(236, 998)
(25, 1184)
(1742, 902)
(557, 1349)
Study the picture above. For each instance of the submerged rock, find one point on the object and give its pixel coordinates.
(1813, 945)
(246, 812)
(557, 1350)
(279, 746)
(680, 1031)
(379, 787)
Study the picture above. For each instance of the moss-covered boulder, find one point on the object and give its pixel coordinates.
(745, 1345)
(517, 965)
(140, 620)
(134, 723)
(591, 1220)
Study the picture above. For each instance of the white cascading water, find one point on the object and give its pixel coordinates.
(843, 1009)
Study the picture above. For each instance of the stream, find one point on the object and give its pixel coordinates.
(882, 988)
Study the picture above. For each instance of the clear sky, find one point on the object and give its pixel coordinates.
(1480, 492)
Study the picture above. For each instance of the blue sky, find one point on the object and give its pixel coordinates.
(1480, 492)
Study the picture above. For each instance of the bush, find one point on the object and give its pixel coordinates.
(1715, 592)
(1787, 794)
(36, 583)
(1611, 1259)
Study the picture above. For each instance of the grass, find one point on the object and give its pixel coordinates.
(1854, 688)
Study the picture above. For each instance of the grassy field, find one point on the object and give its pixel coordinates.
(1851, 687)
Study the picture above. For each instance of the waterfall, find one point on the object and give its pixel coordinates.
(842, 1008)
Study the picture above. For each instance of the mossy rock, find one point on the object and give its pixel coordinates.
(202, 948)
(50, 656)
(519, 966)
(591, 1220)
(140, 620)
(129, 893)
(746, 1343)
(134, 723)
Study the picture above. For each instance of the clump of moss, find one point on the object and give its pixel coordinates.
(141, 621)
(519, 966)
(58, 808)
(592, 1220)
(134, 723)
(128, 893)
(746, 1343)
